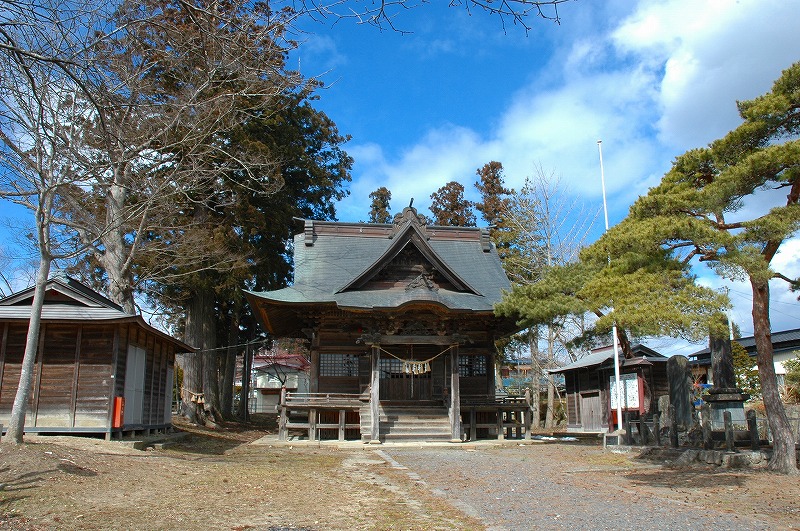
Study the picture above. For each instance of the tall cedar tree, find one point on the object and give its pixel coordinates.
(379, 209)
(450, 208)
(172, 80)
(687, 216)
(495, 204)
(257, 228)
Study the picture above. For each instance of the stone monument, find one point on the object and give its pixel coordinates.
(680, 391)
(724, 395)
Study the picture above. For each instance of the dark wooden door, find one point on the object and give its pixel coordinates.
(591, 412)
(396, 384)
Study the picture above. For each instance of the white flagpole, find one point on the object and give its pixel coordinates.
(614, 326)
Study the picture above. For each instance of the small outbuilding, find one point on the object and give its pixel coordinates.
(273, 372)
(785, 344)
(591, 392)
(98, 369)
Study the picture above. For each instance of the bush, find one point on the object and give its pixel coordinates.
(791, 392)
(746, 371)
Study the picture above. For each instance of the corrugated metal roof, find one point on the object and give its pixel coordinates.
(601, 355)
(84, 305)
(784, 339)
(64, 312)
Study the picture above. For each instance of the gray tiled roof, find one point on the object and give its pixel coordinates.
(334, 261)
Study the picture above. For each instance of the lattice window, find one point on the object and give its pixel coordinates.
(471, 366)
(338, 365)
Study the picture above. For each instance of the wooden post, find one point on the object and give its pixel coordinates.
(313, 383)
(708, 443)
(282, 429)
(312, 424)
(673, 427)
(656, 429)
(455, 397)
(643, 431)
(473, 429)
(342, 418)
(726, 415)
(628, 430)
(528, 414)
(500, 433)
(374, 397)
(752, 427)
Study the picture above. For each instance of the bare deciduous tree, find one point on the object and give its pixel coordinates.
(550, 227)
(38, 135)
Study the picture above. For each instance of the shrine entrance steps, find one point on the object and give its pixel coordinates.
(408, 423)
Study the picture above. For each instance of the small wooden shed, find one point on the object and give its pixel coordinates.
(590, 387)
(98, 369)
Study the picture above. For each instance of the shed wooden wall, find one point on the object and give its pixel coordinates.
(79, 369)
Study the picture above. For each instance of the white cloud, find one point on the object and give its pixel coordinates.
(663, 80)
(712, 54)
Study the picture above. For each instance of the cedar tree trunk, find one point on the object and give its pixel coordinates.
(200, 333)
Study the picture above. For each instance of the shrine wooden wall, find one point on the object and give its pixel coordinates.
(79, 369)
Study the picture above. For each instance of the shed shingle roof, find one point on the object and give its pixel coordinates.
(68, 300)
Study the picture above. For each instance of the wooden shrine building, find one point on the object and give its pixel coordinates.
(401, 327)
(98, 369)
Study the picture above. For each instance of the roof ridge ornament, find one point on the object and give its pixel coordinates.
(408, 216)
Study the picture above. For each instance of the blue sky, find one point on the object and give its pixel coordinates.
(651, 79)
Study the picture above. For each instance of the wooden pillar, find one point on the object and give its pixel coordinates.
(455, 397)
(628, 432)
(312, 424)
(3, 344)
(527, 416)
(342, 417)
(374, 397)
(473, 429)
(73, 395)
(313, 384)
(501, 435)
(283, 430)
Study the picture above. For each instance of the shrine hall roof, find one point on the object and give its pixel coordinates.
(334, 263)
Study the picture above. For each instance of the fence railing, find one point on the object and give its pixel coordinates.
(316, 411)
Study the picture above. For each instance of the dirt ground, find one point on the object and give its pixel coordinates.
(217, 479)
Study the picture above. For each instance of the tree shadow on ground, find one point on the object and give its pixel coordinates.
(223, 437)
(686, 478)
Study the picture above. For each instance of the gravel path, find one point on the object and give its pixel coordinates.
(554, 487)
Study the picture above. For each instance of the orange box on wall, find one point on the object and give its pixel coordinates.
(118, 412)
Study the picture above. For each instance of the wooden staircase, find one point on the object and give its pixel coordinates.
(408, 423)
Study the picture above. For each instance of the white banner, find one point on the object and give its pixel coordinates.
(630, 391)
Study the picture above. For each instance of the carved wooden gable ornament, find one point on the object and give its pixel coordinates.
(410, 263)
